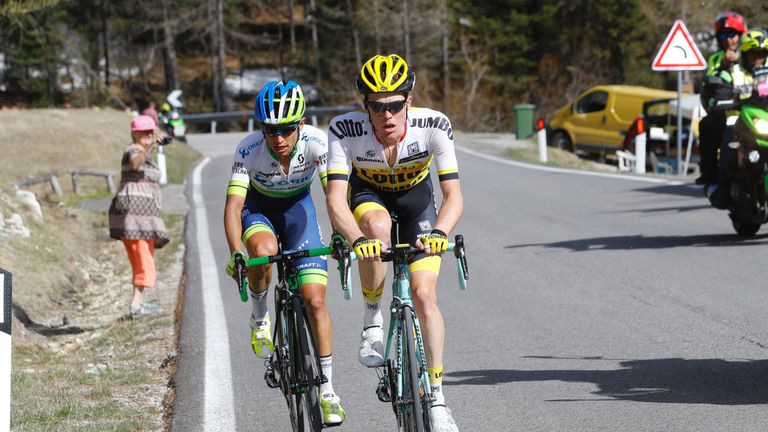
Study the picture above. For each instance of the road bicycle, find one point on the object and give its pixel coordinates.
(403, 379)
(294, 366)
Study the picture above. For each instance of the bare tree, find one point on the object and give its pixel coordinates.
(222, 62)
(213, 35)
(406, 32)
(355, 36)
(105, 40)
(291, 25)
(315, 40)
(169, 50)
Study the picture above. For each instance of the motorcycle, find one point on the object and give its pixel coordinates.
(748, 207)
(173, 124)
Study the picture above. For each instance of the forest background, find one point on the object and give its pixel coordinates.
(473, 60)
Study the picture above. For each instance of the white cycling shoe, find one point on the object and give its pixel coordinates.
(371, 352)
(441, 420)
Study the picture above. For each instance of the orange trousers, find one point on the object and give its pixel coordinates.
(141, 254)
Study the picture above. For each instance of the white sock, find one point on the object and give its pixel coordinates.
(372, 315)
(436, 384)
(260, 312)
(326, 365)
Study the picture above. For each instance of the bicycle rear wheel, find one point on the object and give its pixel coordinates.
(310, 371)
(413, 408)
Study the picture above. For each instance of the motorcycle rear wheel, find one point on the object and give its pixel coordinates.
(745, 228)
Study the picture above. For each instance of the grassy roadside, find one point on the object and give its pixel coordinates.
(557, 158)
(77, 362)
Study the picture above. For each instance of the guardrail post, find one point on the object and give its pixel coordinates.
(250, 125)
(213, 127)
(314, 120)
(161, 165)
(5, 349)
(640, 153)
(541, 135)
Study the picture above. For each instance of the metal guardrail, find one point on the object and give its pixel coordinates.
(249, 116)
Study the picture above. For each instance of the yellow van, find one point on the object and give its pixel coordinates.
(599, 117)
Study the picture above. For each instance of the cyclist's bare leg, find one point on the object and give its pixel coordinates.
(424, 290)
(374, 224)
(314, 297)
(262, 243)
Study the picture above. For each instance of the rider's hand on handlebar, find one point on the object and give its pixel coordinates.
(434, 243)
(230, 269)
(367, 249)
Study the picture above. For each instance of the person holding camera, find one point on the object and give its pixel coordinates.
(135, 212)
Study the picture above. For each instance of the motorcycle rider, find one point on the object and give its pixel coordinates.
(718, 85)
(754, 53)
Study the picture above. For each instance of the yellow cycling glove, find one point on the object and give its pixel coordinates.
(436, 241)
(230, 269)
(365, 247)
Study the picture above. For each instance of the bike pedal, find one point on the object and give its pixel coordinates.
(269, 377)
(382, 391)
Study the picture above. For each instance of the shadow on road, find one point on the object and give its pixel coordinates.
(649, 242)
(668, 380)
(680, 190)
(675, 209)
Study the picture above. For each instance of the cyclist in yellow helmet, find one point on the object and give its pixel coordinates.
(382, 155)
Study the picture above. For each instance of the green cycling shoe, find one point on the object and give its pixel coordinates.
(261, 338)
(333, 413)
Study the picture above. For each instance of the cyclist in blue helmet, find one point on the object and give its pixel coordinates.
(269, 203)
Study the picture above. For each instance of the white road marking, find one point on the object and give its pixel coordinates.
(569, 171)
(218, 411)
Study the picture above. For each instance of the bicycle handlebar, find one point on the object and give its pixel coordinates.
(405, 252)
(241, 264)
(289, 255)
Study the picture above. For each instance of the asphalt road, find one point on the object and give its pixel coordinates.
(596, 303)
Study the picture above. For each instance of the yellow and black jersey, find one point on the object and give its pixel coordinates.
(352, 145)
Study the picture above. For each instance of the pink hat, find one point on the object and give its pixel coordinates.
(142, 123)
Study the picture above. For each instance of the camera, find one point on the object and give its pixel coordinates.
(166, 140)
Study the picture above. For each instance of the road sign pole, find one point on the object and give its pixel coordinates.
(5, 350)
(679, 122)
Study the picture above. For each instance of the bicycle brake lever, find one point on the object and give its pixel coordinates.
(242, 283)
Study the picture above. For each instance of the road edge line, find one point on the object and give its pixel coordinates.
(566, 170)
(218, 400)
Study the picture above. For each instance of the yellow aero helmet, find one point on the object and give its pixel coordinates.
(385, 74)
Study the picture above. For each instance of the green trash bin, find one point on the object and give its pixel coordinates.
(524, 120)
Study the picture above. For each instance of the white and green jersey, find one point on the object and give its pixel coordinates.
(258, 168)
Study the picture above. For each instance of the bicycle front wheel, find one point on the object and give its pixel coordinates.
(414, 406)
(284, 363)
(308, 369)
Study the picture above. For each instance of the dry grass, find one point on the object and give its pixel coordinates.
(34, 142)
(112, 374)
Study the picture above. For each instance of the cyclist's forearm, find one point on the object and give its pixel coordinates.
(451, 207)
(339, 212)
(232, 224)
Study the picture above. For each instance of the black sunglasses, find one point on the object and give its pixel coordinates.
(279, 130)
(729, 34)
(380, 107)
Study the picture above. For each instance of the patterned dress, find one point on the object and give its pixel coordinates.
(135, 213)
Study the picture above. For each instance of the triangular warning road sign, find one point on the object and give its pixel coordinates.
(679, 51)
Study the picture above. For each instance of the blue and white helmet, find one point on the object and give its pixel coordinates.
(279, 103)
